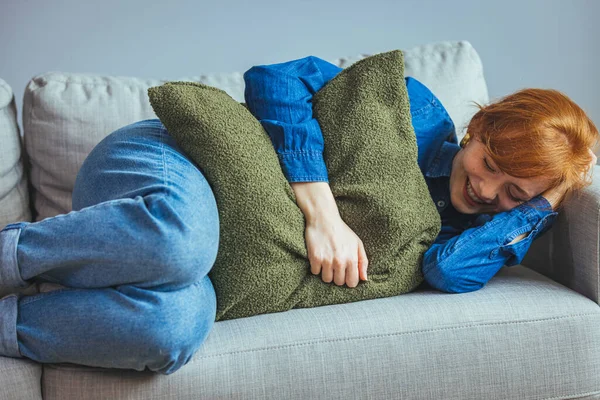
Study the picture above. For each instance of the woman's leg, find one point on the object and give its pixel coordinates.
(144, 221)
(143, 215)
(122, 327)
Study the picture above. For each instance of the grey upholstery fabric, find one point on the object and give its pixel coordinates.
(14, 196)
(569, 253)
(523, 336)
(20, 379)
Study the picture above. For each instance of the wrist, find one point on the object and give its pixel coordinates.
(552, 200)
(556, 195)
(316, 200)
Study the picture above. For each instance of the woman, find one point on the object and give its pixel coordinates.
(520, 158)
(137, 298)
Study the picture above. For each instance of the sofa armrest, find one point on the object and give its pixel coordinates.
(569, 252)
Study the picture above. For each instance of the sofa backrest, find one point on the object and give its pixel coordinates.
(14, 197)
(66, 114)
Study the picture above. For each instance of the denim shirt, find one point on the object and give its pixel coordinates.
(470, 249)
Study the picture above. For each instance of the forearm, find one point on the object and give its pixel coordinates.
(465, 262)
(315, 199)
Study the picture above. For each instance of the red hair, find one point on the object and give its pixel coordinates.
(537, 133)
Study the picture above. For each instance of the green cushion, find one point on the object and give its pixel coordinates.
(371, 157)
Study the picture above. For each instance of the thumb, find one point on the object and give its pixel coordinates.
(363, 262)
(315, 265)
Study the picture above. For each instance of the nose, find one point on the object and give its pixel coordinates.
(488, 192)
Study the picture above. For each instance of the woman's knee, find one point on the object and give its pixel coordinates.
(178, 326)
(188, 248)
(173, 212)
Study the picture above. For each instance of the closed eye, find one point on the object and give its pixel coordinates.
(513, 198)
(487, 165)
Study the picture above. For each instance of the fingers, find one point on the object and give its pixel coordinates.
(315, 265)
(336, 253)
(363, 262)
(594, 159)
(337, 271)
(590, 167)
(327, 272)
(352, 274)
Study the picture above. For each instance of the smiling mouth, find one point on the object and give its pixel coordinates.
(470, 195)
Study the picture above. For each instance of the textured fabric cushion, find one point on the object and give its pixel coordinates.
(371, 157)
(66, 114)
(14, 197)
(20, 379)
(522, 336)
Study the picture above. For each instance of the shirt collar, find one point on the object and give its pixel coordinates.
(441, 165)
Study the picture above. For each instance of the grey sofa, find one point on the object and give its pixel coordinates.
(533, 332)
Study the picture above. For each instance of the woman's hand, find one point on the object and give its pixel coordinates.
(334, 250)
(555, 195)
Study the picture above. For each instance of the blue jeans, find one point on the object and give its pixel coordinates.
(133, 256)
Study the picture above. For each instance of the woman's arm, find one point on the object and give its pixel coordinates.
(466, 261)
(280, 97)
(334, 250)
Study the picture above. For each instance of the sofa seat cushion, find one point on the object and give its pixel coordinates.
(521, 336)
(20, 379)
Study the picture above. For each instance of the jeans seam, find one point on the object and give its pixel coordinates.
(44, 295)
(98, 205)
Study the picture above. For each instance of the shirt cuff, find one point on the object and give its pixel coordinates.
(303, 166)
(540, 216)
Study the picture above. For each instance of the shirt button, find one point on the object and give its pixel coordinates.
(441, 203)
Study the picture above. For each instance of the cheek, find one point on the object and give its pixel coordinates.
(457, 179)
(469, 166)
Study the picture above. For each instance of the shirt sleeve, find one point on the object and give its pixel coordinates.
(466, 261)
(280, 97)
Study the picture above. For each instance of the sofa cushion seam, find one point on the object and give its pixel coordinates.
(313, 342)
(20, 368)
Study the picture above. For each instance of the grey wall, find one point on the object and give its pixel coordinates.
(523, 43)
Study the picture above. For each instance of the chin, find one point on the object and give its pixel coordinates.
(460, 206)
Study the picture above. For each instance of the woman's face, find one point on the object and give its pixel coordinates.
(477, 186)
